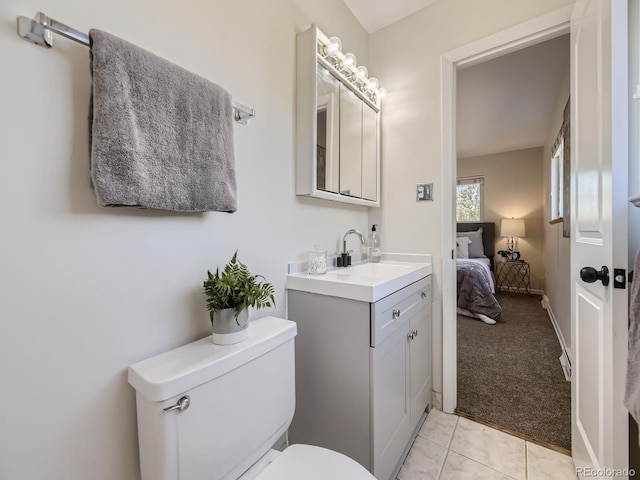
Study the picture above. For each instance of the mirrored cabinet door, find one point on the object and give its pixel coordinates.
(328, 131)
(350, 143)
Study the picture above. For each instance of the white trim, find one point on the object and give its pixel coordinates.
(436, 400)
(449, 318)
(565, 363)
(539, 29)
(563, 345)
(531, 32)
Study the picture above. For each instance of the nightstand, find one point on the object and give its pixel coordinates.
(513, 276)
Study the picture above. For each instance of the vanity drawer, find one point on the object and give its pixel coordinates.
(390, 313)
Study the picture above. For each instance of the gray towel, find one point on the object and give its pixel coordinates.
(161, 137)
(632, 391)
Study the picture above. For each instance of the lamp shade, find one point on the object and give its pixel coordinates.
(512, 227)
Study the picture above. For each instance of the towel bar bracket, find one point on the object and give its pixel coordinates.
(40, 30)
(34, 31)
(242, 114)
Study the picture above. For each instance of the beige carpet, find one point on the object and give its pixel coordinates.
(509, 374)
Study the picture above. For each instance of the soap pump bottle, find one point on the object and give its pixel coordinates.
(373, 246)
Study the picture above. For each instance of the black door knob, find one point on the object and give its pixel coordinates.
(590, 275)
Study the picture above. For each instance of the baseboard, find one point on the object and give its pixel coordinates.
(566, 366)
(565, 360)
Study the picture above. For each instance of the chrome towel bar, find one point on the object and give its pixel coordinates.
(40, 30)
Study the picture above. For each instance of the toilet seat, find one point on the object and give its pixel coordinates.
(313, 463)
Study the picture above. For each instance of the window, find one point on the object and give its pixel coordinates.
(469, 199)
(557, 175)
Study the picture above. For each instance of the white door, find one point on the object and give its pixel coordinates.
(599, 135)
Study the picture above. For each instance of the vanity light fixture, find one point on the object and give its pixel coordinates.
(345, 64)
(362, 73)
(334, 45)
(349, 61)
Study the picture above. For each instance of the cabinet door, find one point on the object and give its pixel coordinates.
(350, 143)
(369, 153)
(390, 402)
(420, 362)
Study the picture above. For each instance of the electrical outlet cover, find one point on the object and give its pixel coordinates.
(424, 192)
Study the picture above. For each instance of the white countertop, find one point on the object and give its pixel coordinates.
(367, 282)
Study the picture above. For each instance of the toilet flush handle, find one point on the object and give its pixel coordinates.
(182, 404)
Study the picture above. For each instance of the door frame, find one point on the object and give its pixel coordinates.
(537, 30)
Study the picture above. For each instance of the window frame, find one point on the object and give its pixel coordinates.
(557, 183)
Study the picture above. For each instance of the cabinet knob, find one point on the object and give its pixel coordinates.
(423, 294)
(414, 332)
(410, 335)
(395, 313)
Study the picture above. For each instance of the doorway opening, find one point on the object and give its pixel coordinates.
(509, 111)
(511, 165)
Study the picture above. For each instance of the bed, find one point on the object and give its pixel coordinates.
(475, 251)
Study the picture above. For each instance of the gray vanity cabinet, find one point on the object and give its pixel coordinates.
(363, 373)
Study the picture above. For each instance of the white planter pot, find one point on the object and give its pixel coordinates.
(225, 329)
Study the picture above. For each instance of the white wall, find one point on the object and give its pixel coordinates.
(406, 58)
(86, 291)
(557, 252)
(513, 188)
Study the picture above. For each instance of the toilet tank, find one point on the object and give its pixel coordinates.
(242, 399)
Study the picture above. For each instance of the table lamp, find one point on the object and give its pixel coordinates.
(512, 228)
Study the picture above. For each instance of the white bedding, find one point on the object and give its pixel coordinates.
(484, 260)
(485, 264)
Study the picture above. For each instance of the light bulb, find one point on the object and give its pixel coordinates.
(349, 61)
(334, 45)
(361, 72)
(382, 92)
(373, 83)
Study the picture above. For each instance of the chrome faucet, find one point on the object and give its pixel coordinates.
(349, 232)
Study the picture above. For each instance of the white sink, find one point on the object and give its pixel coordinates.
(368, 282)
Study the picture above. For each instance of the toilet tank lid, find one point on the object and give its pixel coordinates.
(172, 373)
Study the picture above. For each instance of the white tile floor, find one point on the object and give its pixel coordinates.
(449, 447)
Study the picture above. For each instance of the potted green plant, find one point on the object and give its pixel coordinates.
(505, 254)
(229, 295)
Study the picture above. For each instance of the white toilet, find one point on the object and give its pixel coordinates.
(211, 412)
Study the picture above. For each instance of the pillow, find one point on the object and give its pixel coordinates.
(462, 247)
(476, 248)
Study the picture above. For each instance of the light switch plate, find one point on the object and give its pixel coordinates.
(424, 191)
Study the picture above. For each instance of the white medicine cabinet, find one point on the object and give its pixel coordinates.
(338, 124)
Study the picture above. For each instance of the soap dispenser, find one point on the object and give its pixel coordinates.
(373, 246)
